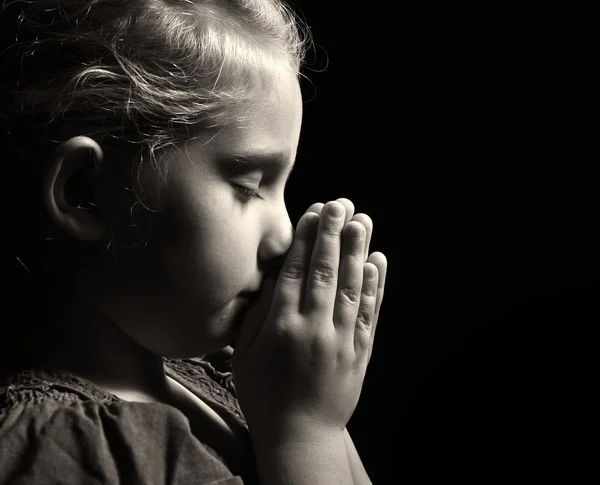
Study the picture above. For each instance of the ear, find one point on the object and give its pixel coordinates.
(74, 155)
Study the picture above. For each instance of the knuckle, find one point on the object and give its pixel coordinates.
(331, 230)
(365, 316)
(370, 288)
(368, 300)
(325, 272)
(322, 343)
(350, 294)
(292, 270)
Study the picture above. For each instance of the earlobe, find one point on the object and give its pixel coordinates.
(70, 157)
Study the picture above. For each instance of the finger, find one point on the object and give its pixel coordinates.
(379, 260)
(317, 207)
(322, 277)
(349, 206)
(366, 221)
(293, 273)
(364, 329)
(350, 279)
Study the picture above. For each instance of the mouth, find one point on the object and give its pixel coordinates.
(239, 313)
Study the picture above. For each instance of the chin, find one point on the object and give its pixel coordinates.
(220, 329)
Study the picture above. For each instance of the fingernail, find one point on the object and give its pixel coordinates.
(336, 210)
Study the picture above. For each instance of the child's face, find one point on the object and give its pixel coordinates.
(182, 296)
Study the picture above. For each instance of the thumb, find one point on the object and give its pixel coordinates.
(255, 318)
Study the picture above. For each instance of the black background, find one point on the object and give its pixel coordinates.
(470, 136)
(471, 139)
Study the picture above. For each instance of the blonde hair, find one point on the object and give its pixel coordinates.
(146, 72)
(138, 77)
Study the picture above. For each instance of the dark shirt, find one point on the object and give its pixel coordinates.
(58, 428)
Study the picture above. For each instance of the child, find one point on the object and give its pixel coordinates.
(163, 133)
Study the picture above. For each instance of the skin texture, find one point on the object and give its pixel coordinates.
(183, 293)
(317, 321)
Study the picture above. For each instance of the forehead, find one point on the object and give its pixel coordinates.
(272, 122)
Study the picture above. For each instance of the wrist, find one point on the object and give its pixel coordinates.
(315, 456)
(291, 432)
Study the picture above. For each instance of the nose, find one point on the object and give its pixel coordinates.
(276, 241)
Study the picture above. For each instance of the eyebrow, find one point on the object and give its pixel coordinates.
(272, 160)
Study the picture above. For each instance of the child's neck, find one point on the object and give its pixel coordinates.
(82, 340)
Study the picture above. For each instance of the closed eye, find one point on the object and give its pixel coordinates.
(252, 194)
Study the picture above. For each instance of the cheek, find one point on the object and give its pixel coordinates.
(209, 246)
(214, 260)
(129, 223)
(229, 253)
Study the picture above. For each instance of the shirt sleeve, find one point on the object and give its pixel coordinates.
(92, 442)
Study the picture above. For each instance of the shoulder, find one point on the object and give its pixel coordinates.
(33, 386)
(62, 425)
